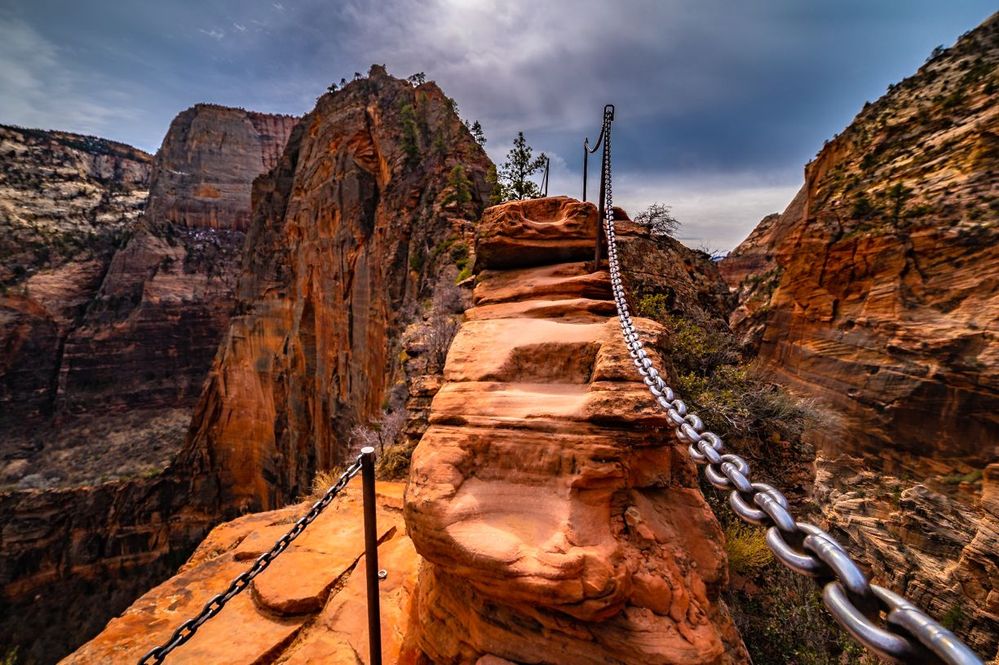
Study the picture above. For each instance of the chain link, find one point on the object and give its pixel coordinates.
(909, 636)
(187, 629)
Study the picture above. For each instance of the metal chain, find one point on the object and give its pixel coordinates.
(187, 629)
(910, 635)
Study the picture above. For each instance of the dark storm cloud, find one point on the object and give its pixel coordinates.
(719, 103)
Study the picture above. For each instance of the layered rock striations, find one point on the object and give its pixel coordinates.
(208, 163)
(114, 346)
(559, 520)
(876, 291)
(66, 203)
(348, 233)
(112, 377)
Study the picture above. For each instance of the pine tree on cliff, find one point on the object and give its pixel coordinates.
(477, 133)
(520, 165)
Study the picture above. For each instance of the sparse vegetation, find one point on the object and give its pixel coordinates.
(954, 617)
(747, 549)
(788, 625)
(477, 133)
(659, 220)
(958, 478)
(322, 481)
(460, 187)
(410, 133)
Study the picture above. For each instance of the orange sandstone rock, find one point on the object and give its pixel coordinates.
(556, 513)
(307, 607)
(876, 293)
(535, 232)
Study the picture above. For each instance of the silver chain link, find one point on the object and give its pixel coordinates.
(910, 635)
(187, 629)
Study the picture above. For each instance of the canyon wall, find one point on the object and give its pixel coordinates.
(877, 291)
(103, 362)
(349, 232)
(67, 202)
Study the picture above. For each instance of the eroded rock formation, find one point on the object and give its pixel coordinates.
(208, 162)
(876, 291)
(347, 234)
(66, 203)
(559, 520)
(308, 607)
(107, 358)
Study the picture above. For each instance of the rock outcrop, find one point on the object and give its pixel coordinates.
(876, 291)
(559, 520)
(307, 607)
(208, 162)
(108, 357)
(348, 233)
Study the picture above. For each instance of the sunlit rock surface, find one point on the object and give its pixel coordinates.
(559, 520)
(877, 291)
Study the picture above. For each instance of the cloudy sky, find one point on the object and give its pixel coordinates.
(720, 102)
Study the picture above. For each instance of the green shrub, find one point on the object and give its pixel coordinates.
(461, 187)
(393, 463)
(416, 259)
(747, 549)
(958, 478)
(410, 133)
(954, 617)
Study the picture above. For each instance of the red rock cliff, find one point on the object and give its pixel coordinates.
(66, 203)
(344, 239)
(877, 291)
(107, 360)
(208, 161)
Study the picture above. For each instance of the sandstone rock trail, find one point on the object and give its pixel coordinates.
(559, 521)
(549, 516)
(306, 607)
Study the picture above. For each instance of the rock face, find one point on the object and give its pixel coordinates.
(116, 347)
(347, 232)
(208, 163)
(66, 202)
(555, 513)
(106, 362)
(876, 291)
(307, 607)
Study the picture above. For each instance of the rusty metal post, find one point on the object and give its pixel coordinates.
(371, 555)
(600, 221)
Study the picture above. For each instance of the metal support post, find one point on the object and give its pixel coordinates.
(371, 555)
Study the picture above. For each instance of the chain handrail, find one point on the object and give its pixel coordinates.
(186, 630)
(909, 635)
